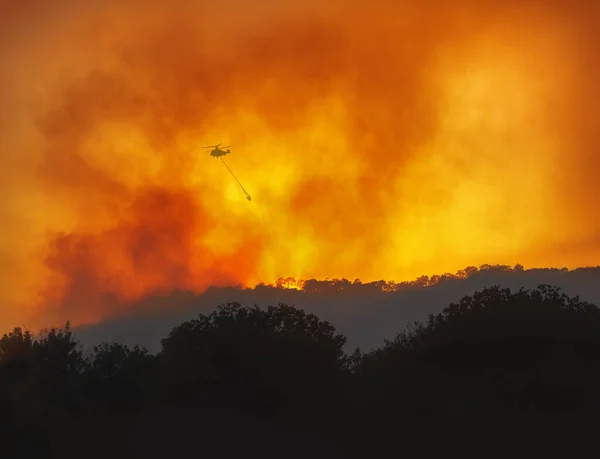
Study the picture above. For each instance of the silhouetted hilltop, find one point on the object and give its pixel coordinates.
(366, 313)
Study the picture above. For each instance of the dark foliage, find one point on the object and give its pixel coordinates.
(118, 378)
(497, 356)
(495, 350)
(260, 360)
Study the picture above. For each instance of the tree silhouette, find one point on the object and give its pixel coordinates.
(17, 344)
(39, 378)
(16, 354)
(16, 366)
(290, 280)
(494, 356)
(259, 359)
(41, 373)
(118, 377)
(58, 363)
(485, 271)
(531, 349)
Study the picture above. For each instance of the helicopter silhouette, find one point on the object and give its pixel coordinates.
(217, 152)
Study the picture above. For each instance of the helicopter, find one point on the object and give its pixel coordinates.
(217, 152)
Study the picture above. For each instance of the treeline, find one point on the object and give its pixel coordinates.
(356, 285)
(494, 355)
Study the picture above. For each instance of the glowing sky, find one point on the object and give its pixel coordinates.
(378, 139)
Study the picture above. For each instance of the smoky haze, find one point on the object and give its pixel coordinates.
(364, 313)
(378, 140)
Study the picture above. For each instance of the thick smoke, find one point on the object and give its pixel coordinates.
(378, 140)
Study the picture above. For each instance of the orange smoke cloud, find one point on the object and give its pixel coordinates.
(378, 140)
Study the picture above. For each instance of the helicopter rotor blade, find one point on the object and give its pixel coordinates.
(228, 146)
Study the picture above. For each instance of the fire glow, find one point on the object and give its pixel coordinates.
(378, 140)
